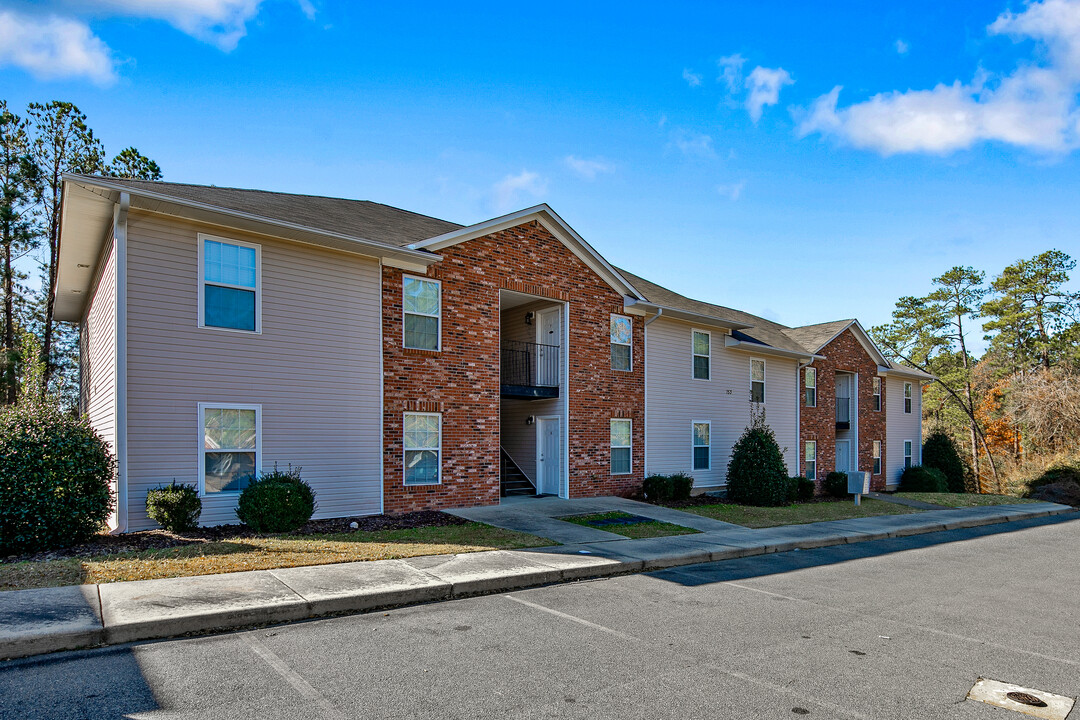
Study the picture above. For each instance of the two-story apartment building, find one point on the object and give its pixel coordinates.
(403, 362)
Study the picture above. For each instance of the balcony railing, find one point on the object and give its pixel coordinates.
(529, 370)
(843, 412)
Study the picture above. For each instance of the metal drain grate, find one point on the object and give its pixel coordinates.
(1035, 703)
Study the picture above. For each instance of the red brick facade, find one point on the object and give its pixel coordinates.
(844, 354)
(461, 381)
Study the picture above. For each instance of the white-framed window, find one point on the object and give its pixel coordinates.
(701, 450)
(810, 459)
(877, 392)
(757, 380)
(621, 335)
(877, 457)
(621, 432)
(907, 453)
(811, 387)
(907, 398)
(702, 349)
(230, 444)
(422, 443)
(421, 304)
(230, 284)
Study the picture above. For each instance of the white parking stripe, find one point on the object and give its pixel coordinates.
(580, 621)
(302, 686)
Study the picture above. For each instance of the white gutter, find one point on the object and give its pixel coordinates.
(735, 344)
(686, 315)
(120, 216)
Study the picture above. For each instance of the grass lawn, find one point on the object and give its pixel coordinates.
(648, 529)
(955, 500)
(263, 553)
(761, 517)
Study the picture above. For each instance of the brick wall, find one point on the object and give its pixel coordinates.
(462, 380)
(844, 354)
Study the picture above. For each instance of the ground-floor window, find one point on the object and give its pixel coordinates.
(810, 459)
(423, 448)
(230, 437)
(907, 454)
(620, 446)
(702, 440)
(877, 457)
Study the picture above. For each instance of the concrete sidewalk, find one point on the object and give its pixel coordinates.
(34, 622)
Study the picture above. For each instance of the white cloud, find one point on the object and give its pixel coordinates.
(693, 144)
(1034, 107)
(219, 22)
(731, 71)
(588, 169)
(52, 47)
(901, 46)
(733, 191)
(505, 193)
(692, 78)
(764, 85)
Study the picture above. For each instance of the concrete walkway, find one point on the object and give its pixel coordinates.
(34, 622)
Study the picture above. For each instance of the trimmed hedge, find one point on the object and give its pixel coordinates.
(279, 501)
(662, 488)
(174, 507)
(939, 452)
(55, 475)
(757, 474)
(804, 488)
(919, 478)
(835, 484)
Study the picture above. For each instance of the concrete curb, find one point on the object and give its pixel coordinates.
(36, 622)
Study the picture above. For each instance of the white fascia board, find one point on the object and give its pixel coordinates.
(741, 345)
(902, 371)
(553, 223)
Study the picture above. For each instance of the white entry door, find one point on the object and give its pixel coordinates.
(843, 455)
(547, 356)
(549, 465)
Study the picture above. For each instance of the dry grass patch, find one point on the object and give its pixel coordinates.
(263, 553)
(958, 500)
(797, 514)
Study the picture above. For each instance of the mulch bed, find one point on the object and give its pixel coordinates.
(162, 539)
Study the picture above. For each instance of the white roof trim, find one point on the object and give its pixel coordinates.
(864, 339)
(671, 313)
(554, 224)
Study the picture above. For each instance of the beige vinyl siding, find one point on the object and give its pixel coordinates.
(676, 400)
(314, 369)
(97, 342)
(900, 426)
(517, 438)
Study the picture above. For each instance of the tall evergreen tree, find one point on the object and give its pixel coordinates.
(130, 163)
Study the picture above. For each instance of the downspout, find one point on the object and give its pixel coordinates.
(645, 454)
(120, 216)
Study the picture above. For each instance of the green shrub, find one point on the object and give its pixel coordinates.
(919, 478)
(804, 488)
(757, 474)
(174, 507)
(657, 488)
(1053, 475)
(55, 475)
(939, 452)
(277, 502)
(835, 484)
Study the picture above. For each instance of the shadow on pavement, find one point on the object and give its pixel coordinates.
(777, 563)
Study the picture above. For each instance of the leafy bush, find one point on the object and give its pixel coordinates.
(1055, 474)
(804, 488)
(919, 478)
(681, 486)
(279, 501)
(835, 484)
(757, 474)
(55, 475)
(174, 507)
(939, 452)
(657, 488)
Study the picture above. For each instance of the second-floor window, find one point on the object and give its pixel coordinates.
(620, 342)
(877, 392)
(907, 398)
(229, 284)
(757, 380)
(702, 352)
(422, 307)
(811, 387)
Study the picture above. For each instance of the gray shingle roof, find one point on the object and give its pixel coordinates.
(356, 218)
(814, 337)
(763, 331)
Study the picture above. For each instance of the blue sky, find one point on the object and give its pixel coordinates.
(703, 145)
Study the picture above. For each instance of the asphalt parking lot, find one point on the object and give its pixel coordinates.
(888, 629)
